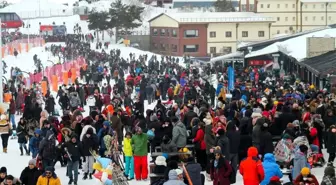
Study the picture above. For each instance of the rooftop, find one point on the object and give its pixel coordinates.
(206, 17)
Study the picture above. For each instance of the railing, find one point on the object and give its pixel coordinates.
(45, 13)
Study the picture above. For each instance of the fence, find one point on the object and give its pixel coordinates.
(57, 73)
(21, 45)
(44, 13)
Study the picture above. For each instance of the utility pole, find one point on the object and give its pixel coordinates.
(1, 65)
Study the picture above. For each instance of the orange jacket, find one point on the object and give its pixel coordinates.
(251, 168)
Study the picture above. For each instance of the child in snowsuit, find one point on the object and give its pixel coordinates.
(129, 161)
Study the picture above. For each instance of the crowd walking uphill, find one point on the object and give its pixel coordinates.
(194, 133)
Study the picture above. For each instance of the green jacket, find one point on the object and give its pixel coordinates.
(139, 144)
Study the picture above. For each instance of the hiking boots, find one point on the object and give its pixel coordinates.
(4, 150)
(70, 182)
(85, 176)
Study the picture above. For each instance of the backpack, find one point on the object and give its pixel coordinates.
(49, 149)
(73, 102)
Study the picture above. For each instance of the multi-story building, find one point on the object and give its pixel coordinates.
(203, 34)
(297, 15)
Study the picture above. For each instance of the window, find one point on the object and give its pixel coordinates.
(154, 46)
(213, 50)
(228, 34)
(261, 6)
(15, 17)
(268, 5)
(278, 18)
(322, 18)
(163, 32)
(155, 31)
(314, 18)
(251, 7)
(190, 33)
(278, 6)
(227, 50)
(212, 34)
(286, 5)
(278, 31)
(7, 17)
(190, 48)
(174, 34)
(163, 48)
(293, 18)
(244, 33)
(261, 33)
(174, 48)
(293, 5)
(314, 6)
(286, 18)
(243, 8)
(306, 18)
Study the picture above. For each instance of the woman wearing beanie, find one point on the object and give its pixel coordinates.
(30, 174)
(305, 178)
(329, 176)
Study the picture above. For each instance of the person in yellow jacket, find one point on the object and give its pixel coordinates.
(49, 177)
(128, 151)
(5, 129)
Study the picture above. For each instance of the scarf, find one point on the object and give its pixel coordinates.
(327, 180)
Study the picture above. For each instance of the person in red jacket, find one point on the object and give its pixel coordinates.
(251, 168)
(200, 146)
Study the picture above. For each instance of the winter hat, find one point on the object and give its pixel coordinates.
(153, 118)
(38, 131)
(252, 152)
(50, 169)
(305, 171)
(286, 136)
(106, 123)
(220, 132)
(296, 123)
(32, 161)
(73, 135)
(329, 171)
(160, 160)
(165, 155)
(178, 171)
(89, 131)
(3, 170)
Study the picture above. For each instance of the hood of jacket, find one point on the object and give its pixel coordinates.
(172, 175)
(252, 152)
(194, 168)
(269, 158)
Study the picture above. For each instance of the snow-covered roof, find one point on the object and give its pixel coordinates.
(318, 1)
(295, 47)
(228, 56)
(33, 5)
(218, 17)
(194, 1)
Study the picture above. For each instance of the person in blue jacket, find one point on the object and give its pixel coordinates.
(34, 142)
(103, 132)
(271, 168)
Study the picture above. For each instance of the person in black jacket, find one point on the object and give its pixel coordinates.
(30, 174)
(89, 143)
(234, 139)
(223, 143)
(22, 136)
(73, 152)
(266, 142)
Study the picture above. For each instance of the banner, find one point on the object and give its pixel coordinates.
(231, 79)
(44, 87)
(65, 78)
(54, 82)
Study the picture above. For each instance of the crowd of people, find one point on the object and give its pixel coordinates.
(261, 126)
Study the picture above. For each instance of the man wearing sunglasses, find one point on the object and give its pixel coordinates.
(49, 177)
